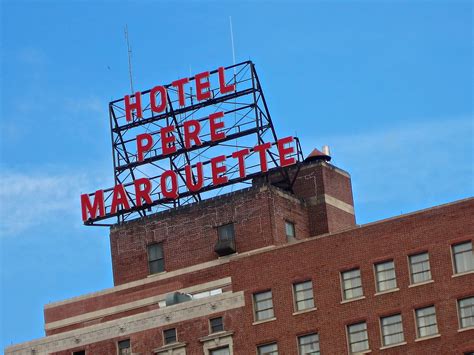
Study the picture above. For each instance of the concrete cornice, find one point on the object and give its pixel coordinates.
(131, 324)
(85, 317)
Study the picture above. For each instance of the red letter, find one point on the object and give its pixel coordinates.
(173, 193)
(262, 150)
(240, 154)
(133, 106)
(224, 89)
(143, 147)
(153, 92)
(167, 140)
(190, 179)
(179, 84)
(217, 170)
(214, 126)
(142, 194)
(119, 198)
(202, 87)
(191, 135)
(91, 210)
(284, 161)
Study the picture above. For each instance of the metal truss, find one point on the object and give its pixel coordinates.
(247, 124)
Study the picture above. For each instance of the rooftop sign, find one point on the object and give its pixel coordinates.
(174, 143)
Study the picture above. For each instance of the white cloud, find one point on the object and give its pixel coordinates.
(29, 200)
(420, 161)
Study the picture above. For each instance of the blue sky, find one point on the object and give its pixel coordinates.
(387, 84)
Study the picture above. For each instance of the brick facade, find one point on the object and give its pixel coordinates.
(327, 242)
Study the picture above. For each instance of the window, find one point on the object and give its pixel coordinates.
(169, 335)
(385, 276)
(225, 240)
(466, 312)
(268, 349)
(156, 261)
(204, 294)
(463, 257)
(351, 284)
(358, 337)
(263, 304)
(308, 344)
(80, 352)
(226, 232)
(290, 230)
(220, 351)
(420, 268)
(392, 330)
(124, 347)
(217, 325)
(426, 324)
(303, 293)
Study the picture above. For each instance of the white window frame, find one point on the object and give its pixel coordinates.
(348, 336)
(415, 312)
(341, 278)
(395, 288)
(295, 300)
(266, 344)
(458, 309)
(255, 312)
(410, 269)
(382, 338)
(453, 258)
(305, 335)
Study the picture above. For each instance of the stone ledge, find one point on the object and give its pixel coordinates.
(131, 324)
(84, 317)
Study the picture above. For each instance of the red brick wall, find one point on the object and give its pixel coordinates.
(189, 234)
(320, 178)
(321, 259)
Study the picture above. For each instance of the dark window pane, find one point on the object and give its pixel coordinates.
(124, 347)
(156, 262)
(217, 325)
(226, 232)
(124, 344)
(155, 251)
(80, 352)
(157, 266)
(170, 336)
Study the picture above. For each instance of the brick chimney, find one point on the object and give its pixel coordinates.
(327, 190)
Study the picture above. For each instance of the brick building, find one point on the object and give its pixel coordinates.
(267, 271)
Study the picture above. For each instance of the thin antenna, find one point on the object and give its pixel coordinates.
(129, 59)
(235, 81)
(232, 40)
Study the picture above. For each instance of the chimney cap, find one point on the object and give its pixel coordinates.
(317, 155)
